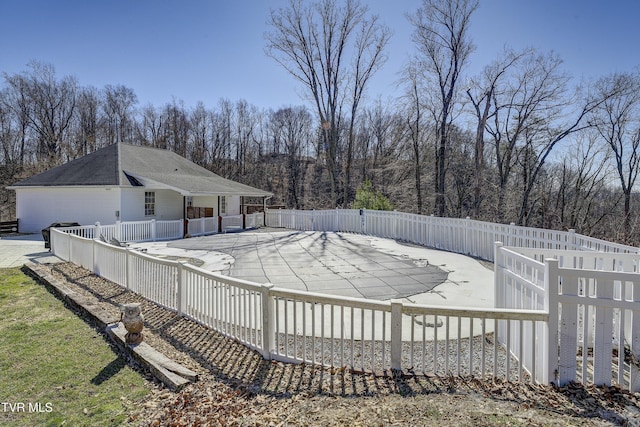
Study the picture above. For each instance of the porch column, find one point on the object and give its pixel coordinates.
(185, 221)
(219, 217)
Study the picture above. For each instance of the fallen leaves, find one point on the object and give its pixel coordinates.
(237, 387)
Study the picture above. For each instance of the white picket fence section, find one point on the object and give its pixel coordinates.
(596, 297)
(298, 326)
(589, 287)
(460, 235)
(552, 288)
(202, 226)
(152, 230)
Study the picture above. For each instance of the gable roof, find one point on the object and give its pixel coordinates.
(126, 166)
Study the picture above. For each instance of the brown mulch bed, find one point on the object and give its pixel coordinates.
(237, 386)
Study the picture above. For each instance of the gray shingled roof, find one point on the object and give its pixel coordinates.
(116, 164)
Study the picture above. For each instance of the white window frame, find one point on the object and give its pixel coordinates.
(149, 203)
(223, 205)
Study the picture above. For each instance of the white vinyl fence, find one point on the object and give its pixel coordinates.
(464, 236)
(547, 301)
(301, 326)
(590, 288)
(152, 230)
(596, 298)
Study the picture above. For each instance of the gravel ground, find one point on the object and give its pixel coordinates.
(237, 386)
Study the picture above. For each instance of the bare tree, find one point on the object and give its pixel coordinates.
(14, 106)
(9, 139)
(221, 122)
(380, 122)
(371, 39)
(481, 92)
(199, 135)
(87, 121)
(460, 172)
(292, 130)
(151, 127)
(51, 105)
(313, 42)
(441, 34)
(582, 179)
(617, 120)
(118, 113)
(246, 124)
(414, 126)
(526, 122)
(176, 127)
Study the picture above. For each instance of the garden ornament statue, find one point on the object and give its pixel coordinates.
(133, 321)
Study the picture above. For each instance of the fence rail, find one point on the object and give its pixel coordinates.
(152, 230)
(554, 318)
(298, 326)
(460, 235)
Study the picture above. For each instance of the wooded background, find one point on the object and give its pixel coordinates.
(521, 142)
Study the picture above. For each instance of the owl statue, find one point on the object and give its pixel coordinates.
(133, 321)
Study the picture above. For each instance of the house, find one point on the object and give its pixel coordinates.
(124, 182)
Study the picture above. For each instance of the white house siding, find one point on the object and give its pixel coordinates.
(169, 205)
(233, 205)
(38, 207)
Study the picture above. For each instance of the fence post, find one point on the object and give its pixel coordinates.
(93, 257)
(127, 273)
(153, 230)
(396, 335)
(336, 223)
(467, 236)
(70, 252)
(181, 288)
(512, 234)
(396, 225)
(430, 238)
(97, 231)
(572, 240)
(550, 350)
(268, 327)
(499, 291)
(497, 275)
(634, 336)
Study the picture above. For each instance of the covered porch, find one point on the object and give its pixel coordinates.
(208, 206)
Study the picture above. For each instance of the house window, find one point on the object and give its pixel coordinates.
(149, 203)
(223, 205)
(189, 201)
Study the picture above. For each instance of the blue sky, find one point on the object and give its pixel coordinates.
(204, 50)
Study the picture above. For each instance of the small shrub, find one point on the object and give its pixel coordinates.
(368, 198)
